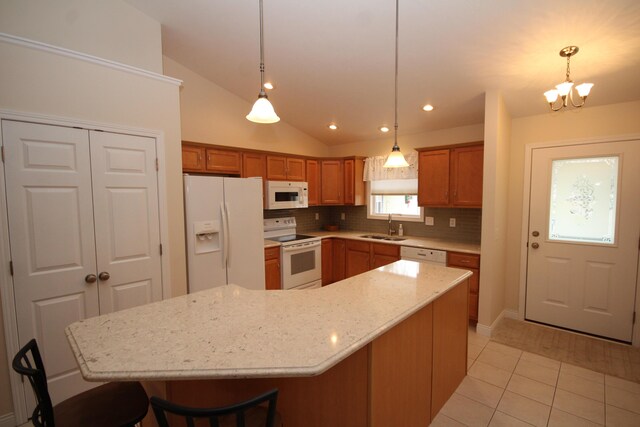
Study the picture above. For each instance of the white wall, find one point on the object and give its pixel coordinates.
(575, 124)
(213, 115)
(497, 133)
(40, 82)
(382, 146)
(106, 29)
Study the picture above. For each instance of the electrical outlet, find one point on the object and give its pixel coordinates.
(452, 222)
(317, 216)
(342, 216)
(428, 220)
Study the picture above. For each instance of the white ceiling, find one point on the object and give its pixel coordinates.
(333, 60)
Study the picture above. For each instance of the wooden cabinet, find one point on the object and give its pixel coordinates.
(193, 158)
(383, 254)
(468, 262)
(354, 193)
(254, 165)
(339, 258)
(272, 268)
(451, 177)
(358, 257)
(313, 182)
(280, 168)
(327, 261)
(332, 182)
(223, 161)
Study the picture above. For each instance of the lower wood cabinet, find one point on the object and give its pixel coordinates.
(327, 261)
(468, 262)
(383, 254)
(272, 268)
(338, 256)
(343, 258)
(358, 257)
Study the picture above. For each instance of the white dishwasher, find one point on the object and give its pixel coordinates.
(429, 256)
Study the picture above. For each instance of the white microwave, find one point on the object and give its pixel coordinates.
(287, 195)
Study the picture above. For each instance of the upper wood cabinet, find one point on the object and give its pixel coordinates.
(313, 182)
(451, 177)
(193, 158)
(223, 161)
(332, 182)
(253, 165)
(353, 183)
(280, 168)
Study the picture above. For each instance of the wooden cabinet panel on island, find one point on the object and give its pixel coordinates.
(451, 177)
(272, 268)
(280, 168)
(313, 182)
(469, 262)
(332, 182)
(193, 158)
(327, 261)
(223, 161)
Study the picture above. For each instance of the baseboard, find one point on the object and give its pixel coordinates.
(486, 330)
(7, 420)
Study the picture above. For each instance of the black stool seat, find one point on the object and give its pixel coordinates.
(110, 405)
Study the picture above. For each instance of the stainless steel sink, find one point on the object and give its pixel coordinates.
(378, 237)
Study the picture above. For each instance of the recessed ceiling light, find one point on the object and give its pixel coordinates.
(268, 85)
(428, 107)
(333, 126)
(384, 129)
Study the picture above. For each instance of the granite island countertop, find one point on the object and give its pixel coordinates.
(232, 332)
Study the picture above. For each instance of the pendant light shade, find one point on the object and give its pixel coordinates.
(396, 158)
(262, 111)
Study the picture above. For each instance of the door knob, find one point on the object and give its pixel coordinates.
(90, 278)
(535, 234)
(104, 276)
(535, 245)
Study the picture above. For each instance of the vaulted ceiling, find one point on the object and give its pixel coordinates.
(333, 60)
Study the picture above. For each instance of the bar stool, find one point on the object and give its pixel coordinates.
(249, 413)
(118, 404)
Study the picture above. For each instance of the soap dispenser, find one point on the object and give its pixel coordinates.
(400, 230)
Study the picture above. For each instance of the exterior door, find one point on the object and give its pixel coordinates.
(50, 211)
(127, 224)
(584, 229)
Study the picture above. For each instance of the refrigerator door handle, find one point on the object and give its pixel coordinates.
(227, 228)
(225, 235)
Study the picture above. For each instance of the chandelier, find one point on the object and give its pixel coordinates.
(565, 89)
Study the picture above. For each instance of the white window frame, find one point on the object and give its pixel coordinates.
(394, 217)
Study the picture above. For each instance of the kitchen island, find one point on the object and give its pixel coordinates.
(387, 347)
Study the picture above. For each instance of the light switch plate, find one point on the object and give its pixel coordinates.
(452, 222)
(317, 216)
(428, 220)
(342, 216)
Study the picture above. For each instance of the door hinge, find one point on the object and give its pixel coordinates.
(634, 318)
(157, 165)
(2, 151)
(11, 268)
(160, 248)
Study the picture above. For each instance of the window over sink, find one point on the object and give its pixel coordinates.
(397, 197)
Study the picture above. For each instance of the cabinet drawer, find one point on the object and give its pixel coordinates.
(272, 253)
(386, 249)
(353, 245)
(455, 259)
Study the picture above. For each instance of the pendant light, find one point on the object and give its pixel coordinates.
(262, 111)
(396, 159)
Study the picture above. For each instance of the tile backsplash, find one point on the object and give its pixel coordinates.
(468, 221)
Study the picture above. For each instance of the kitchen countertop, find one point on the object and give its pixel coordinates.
(232, 332)
(417, 242)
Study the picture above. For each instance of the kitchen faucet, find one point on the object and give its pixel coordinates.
(391, 230)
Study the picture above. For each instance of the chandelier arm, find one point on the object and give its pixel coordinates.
(556, 109)
(573, 103)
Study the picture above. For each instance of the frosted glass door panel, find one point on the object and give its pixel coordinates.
(583, 200)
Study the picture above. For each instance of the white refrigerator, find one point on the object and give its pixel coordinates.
(224, 232)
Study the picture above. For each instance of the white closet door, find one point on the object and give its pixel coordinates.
(48, 187)
(127, 228)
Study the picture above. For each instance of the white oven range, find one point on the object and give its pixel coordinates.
(301, 255)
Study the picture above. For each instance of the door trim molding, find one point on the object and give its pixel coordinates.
(526, 195)
(6, 281)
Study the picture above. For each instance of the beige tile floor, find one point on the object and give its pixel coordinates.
(509, 387)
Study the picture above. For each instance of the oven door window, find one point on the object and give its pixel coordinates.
(286, 196)
(302, 262)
